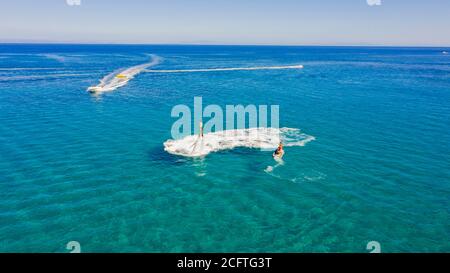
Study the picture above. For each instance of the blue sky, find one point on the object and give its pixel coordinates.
(284, 22)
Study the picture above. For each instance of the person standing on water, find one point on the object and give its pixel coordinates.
(201, 129)
(199, 140)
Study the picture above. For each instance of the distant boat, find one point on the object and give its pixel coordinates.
(119, 80)
(445, 52)
(115, 80)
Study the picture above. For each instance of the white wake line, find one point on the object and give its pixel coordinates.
(121, 77)
(42, 77)
(30, 68)
(226, 69)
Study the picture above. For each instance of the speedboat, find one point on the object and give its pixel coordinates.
(95, 89)
(118, 81)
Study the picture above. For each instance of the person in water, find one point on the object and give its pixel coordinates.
(279, 151)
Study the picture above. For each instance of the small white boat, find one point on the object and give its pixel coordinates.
(118, 81)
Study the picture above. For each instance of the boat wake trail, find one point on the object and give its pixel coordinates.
(261, 138)
(227, 69)
(55, 57)
(121, 77)
(270, 169)
(41, 77)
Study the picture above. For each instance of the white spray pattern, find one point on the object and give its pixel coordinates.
(270, 169)
(109, 77)
(260, 138)
(227, 69)
(55, 57)
(121, 77)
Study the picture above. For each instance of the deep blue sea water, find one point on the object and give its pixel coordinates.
(93, 169)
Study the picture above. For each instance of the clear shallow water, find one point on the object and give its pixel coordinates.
(77, 167)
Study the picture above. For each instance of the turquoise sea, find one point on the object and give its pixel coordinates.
(92, 169)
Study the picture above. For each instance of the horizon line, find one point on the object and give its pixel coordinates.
(219, 44)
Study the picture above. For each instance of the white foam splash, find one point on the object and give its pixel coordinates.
(120, 78)
(227, 69)
(262, 138)
(270, 169)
